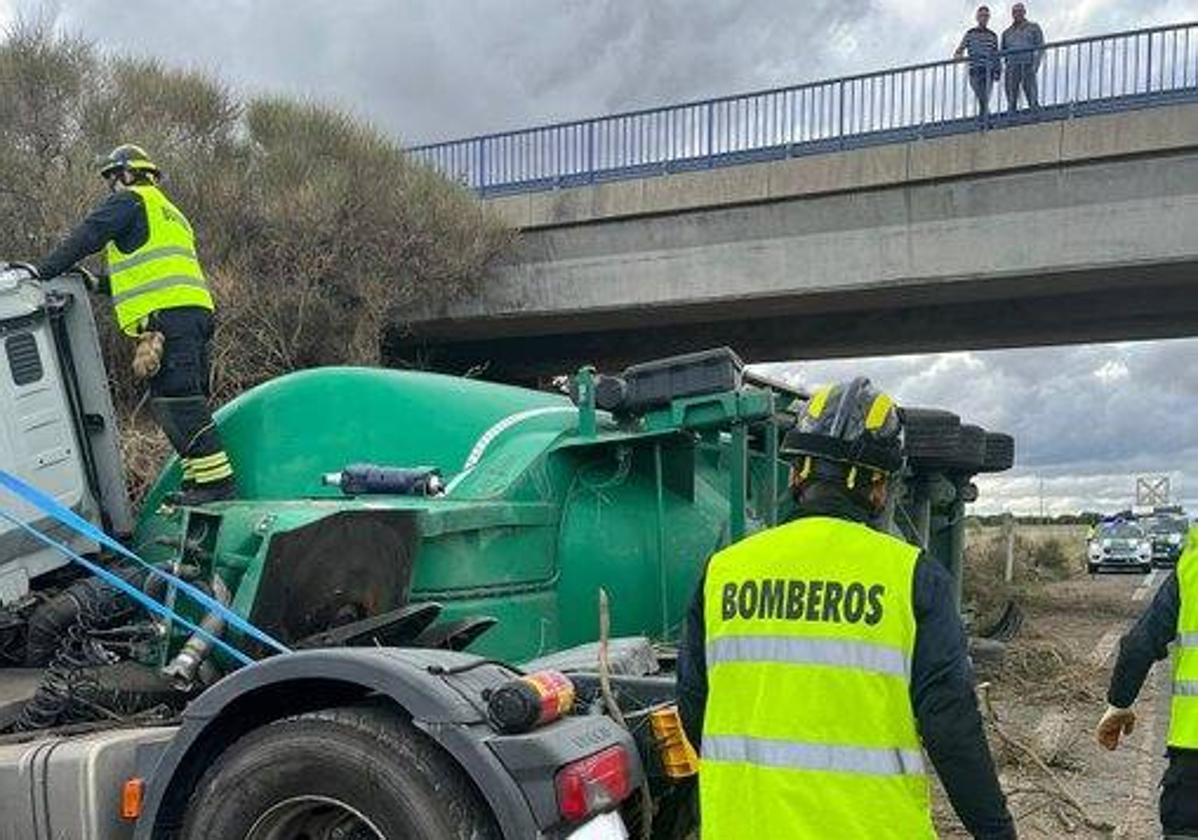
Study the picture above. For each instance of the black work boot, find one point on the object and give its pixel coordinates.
(203, 494)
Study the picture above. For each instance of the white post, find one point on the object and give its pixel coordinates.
(1009, 527)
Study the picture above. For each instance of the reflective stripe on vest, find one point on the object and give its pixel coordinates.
(164, 272)
(144, 256)
(155, 286)
(848, 654)
(764, 752)
(1183, 719)
(809, 730)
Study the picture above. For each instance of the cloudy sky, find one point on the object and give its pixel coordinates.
(1086, 419)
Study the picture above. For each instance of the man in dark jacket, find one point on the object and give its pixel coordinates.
(818, 657)
(161, 300)
(1171, 617)
(981, 45)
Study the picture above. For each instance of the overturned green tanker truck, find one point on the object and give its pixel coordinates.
(416, 544)
(533, 502)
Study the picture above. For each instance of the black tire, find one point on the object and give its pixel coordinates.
(367, 759)
(971, 450)
(1092, 568)
(932, 436)
(1000, 453)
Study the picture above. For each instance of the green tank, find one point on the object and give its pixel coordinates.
(543, 502)
(526, 503)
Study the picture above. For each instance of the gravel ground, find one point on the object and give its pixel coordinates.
(1048, 697)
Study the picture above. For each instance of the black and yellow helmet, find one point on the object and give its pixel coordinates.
(843, 429)
(127, 157)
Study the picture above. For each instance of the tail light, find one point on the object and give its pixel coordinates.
(593, 784)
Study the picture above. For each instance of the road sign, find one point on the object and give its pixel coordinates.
(1152, 490)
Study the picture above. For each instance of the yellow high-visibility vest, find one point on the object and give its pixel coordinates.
(809, 730)
(1183, 718)
(164, 273)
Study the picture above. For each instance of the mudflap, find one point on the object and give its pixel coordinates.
(344, 568)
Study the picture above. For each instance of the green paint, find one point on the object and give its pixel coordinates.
(540, 513)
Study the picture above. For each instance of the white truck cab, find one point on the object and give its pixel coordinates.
(57, 424)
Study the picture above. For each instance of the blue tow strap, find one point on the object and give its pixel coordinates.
(129, 589)
(76, 523)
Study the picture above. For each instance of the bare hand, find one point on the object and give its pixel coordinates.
(1114, 724)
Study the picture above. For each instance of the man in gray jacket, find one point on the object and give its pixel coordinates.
(1024, 42)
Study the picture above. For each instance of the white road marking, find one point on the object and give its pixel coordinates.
(1106, 645)
(1145, 587)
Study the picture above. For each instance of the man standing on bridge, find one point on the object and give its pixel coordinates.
(819, 656)
(1024, 41)
(981, 45)
(1171, 617)
(161, 300)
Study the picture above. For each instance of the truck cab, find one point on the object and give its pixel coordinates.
(58, 428)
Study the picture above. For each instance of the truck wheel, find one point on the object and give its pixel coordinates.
(932, 436)
(360, 772)
(1000, 453)
(971, 449)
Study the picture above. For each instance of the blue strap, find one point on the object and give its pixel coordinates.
(129, 589)
(69, 518)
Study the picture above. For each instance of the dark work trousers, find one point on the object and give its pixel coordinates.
(982, 82)
(179, 394)
(1179, 795)
(1021, 76)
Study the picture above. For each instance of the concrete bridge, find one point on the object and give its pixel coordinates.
(865, 215)
(1070, 231)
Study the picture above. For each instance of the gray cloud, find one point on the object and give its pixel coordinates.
(430, 69)
(1086, 419)
(435, 69)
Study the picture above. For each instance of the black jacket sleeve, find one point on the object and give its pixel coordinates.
(112, 221)
(946, 709)
(1145, 643)
(692, 668)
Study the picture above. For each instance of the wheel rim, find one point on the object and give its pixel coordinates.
(313, 818)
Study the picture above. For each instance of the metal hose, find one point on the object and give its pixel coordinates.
(183, 668)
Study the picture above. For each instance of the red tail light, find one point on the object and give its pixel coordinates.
(594, 783)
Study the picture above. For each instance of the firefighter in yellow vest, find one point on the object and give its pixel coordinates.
(822, 658)
(161, 300)
(1171, 619)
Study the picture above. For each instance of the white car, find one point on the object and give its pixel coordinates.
(1119, 545)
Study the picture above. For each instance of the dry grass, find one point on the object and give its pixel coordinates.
(144, 448)
(1040, 554)
(316, 231)
(1049, 585)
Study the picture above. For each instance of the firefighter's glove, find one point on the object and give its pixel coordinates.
(1115, 723)
(147, 356)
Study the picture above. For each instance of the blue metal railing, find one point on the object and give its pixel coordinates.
(1082, 76)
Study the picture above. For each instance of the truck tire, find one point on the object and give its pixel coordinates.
(932, 436)
(971, 449)
(357, 771)
(1000, 453)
